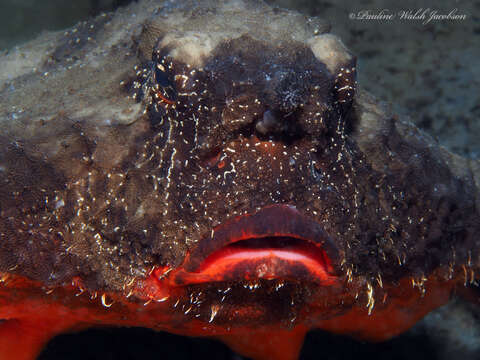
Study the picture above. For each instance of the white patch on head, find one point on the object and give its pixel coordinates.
(191, 47)
(192, 34)
(328, 49)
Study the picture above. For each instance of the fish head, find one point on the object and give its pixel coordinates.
(247, 145)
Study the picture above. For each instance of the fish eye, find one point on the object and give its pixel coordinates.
(161, 77)
(163, 88)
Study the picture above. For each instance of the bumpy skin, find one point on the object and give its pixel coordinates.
(109, 170)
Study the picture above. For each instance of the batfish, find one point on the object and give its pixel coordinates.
(212, 168)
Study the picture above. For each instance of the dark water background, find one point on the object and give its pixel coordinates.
(428, 71)
(134, 344)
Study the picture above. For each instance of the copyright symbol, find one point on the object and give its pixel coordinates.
(352, 16)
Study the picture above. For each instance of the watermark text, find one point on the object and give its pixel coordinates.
(424, 16)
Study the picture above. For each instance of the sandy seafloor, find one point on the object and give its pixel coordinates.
(428, 71)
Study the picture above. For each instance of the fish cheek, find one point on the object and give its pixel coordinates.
(32, 208)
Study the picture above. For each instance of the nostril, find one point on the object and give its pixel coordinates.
(278, 126)
(269, 123)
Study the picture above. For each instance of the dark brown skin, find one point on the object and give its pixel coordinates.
(259, 123)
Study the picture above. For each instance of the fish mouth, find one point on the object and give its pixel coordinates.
(274, 266)
(275, 243)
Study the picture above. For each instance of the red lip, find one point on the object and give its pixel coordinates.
(277, 242)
